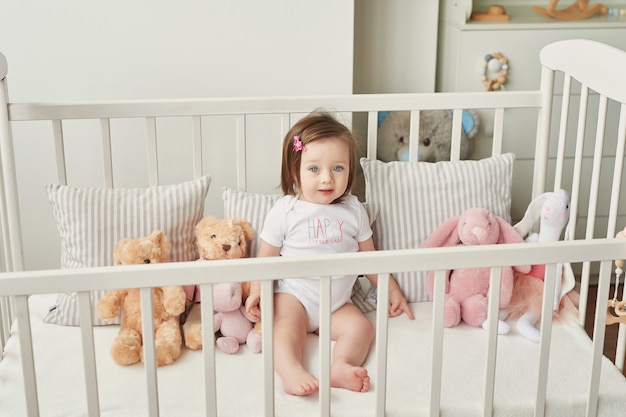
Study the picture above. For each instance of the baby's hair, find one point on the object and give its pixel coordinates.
(315, 126)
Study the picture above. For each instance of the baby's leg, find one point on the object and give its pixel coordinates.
(290, 330)
(353, 334)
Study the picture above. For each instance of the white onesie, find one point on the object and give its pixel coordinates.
(303, 228)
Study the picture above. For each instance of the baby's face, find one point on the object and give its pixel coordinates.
(324, 170)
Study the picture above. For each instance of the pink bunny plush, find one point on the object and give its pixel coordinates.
(551, 211)
(467, 289)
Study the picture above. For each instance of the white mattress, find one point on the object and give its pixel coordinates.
(61, 389)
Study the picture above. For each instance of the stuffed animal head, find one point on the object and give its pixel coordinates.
(551, 211)
(144, 250)
(223, 238)
(435, 135)
(476, 226)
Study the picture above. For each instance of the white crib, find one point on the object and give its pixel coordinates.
(417, 367)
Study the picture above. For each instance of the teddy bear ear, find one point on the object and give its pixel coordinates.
(118, 249)
(247, 228)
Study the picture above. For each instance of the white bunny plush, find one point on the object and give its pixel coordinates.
(551, 210)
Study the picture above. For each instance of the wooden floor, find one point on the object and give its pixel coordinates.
(611, 331)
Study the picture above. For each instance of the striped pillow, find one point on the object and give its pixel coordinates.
(251, 207)
(414, 198)
(92, 220)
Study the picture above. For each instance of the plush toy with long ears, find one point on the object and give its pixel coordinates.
(467, 289)
(551, 211)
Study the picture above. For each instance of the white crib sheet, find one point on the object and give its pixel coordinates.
(61, 392)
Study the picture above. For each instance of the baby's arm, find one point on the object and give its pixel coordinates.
(397, 302)
(253, 302)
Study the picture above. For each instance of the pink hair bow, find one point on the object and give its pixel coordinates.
(297, 144)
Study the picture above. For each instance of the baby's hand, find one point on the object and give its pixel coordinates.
(397, 302)
(253, 306)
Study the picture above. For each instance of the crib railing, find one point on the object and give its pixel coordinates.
(19, 285)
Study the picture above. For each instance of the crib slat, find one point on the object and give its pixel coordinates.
(543, 132)
(545, 338)
(597, 165)
(241, 153)
(26, 351)
(89, 355)
(437, 343)
(267, 334)
(208, 348)
(196, 134)
(382, 321)
(599, 330)
(495, 283)
(620, 351)
(324, 341)
(107, 159)
(414, 135)
(59, 151)
(153, 160)
(498, 128)
(567, 83)
(578, 161)
(455, 145)
(149, 359)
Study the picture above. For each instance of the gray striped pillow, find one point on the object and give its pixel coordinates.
(251, 207)
(414, 198)
(92, 220)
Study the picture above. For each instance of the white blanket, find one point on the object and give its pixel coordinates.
(61, 389)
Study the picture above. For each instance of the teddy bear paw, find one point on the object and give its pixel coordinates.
(167, 353)
(108, 311)
(127, 348)
(193, 336)
(174, 300)
(228, 344)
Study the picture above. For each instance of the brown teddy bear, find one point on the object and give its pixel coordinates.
(168, 305)
(215, 239)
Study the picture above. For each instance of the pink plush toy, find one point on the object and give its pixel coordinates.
(230, 320)
(467, 289)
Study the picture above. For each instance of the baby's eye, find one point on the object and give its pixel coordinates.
(314, 169)
(338, 168)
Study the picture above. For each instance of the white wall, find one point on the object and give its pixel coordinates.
(134, 49)
(72, 49)
(395, 46)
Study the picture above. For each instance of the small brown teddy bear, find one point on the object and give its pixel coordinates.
(215, 239)
(168, 305)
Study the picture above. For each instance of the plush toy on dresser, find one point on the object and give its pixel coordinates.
(467, 289)
(435, 135)
(168, 305)
(222, 239)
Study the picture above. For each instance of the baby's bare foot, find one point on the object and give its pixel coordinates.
(354, 378)
(300, 382)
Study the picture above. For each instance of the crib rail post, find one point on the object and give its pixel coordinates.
(267, 318)
(9, 205)
(437, 343)
(382, 321)
(149, 357)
